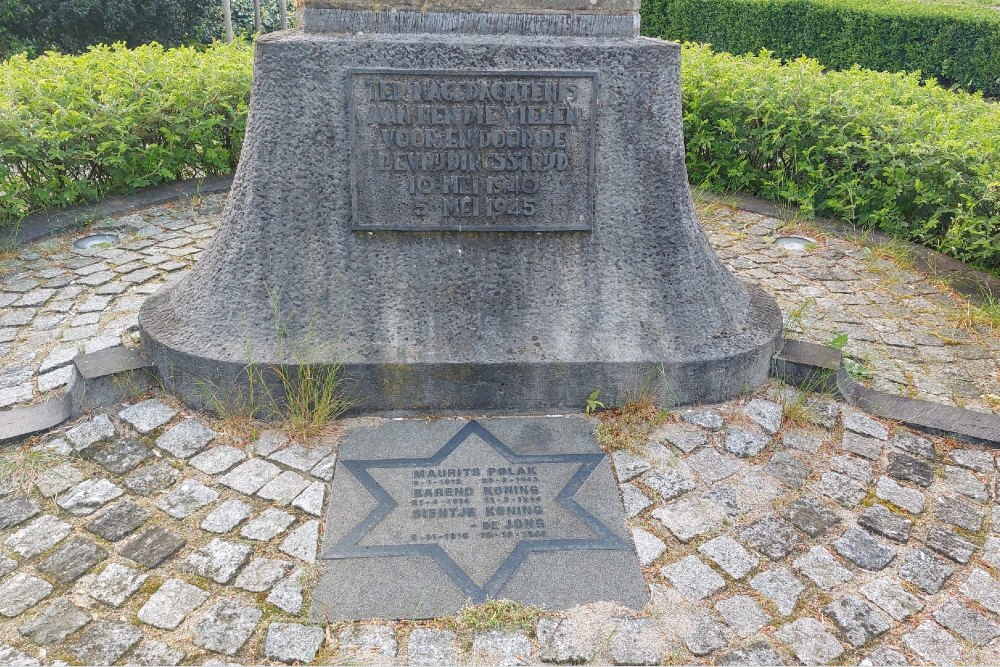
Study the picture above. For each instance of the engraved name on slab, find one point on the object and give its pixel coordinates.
(438, 150)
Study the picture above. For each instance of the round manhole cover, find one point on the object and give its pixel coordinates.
(797, 243)
(95, 241)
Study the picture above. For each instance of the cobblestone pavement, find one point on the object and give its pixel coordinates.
(784, 529)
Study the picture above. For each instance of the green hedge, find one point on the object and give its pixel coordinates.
(957, 43)
(874, 148)
(76, 128)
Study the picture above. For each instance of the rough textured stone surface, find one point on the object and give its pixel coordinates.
(870, 448)
(88, 496)
(311, 500)
(704, 636)
(910, 469)
(964, 482)
(121, 456)
(55, 480)
(94, 430)
(756, 653)
(74, 558)
(846, 491)
(781, 587)
(226, 626)
(681, 436)
(217, 459)
(59, 620)
(892, 598)
(857, 622)
(634, 500)
(634, 642)
(914, 444)
(261, 574)
(879, 519)
(171, 603)
(291, 642)
(186, 439)
(226, 516)
(115, 584)
(984, 589)
(39, 535)
(287, 594)
(706, 419)
(648, 547)
(189, 496)
(951, 544)
(787, 469)
(270, 523)
(22, 591)
(118, 521)
(687, 519)
(745, 443)
(973, 459)
(742, 614)
(932, 643)
(959, 513)
(693, 578)
(302, 542)
(432, 647)
(249, 477)
(853, 467)
(810, 641)
(103, 642)
(924, 571)
(859, 422)
(628, 466)
(17, 510)
(299, 456)
(153, 546)
(367, 640)
(864, 550)
(151, 478)
(153, 652)
(218, 560)
(712, 466)
(284, 488)
(147, 416)
(910, 500)
(669, 485)
(824, 570)
(971, 625)
(730, 555)
(771, 536)
(766, 414)
(811, 516)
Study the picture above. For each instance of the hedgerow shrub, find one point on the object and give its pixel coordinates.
(874, 148)
(958, 43)
(76, 128)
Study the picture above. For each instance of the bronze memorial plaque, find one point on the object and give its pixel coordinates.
(438, 150)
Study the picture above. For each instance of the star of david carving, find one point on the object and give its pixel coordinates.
(349, 546)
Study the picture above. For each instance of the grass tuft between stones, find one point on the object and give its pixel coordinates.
(499, 615)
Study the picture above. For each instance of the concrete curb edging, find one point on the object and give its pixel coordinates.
(107, 377)
(818, 367)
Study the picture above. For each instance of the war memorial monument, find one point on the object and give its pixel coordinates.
(480, 207)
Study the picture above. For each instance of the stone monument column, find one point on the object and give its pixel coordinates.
(475, 204)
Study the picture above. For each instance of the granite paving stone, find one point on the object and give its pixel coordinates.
(781, 587)
(21, 592)
(121, 456)
(74, 558)
(870, 448)
(982, 588)
(684, 437)
(771, 536)
(706, 419)
(187, 498)
(858, 622)
(324, 469)
(117, 521)
(911, 500)
(14, 511)
(261, 574)
(269, 441)
(882, 521)
(822, 568)
(712, 466)
(635, 641)
(300, 457)
(153, 652)
(966, 483)
(973, 459)
(293, 643)
(744, 443)
(310, 501)
(41, 534)
(811, 516)
(865, 551)
(90, 432)
(914, 444)
(116, 583)
(892, 598)
(959, 513)
(810, 641)
(226, 626)
(153, 546)
(787, 469)
(218, 560)
(841, 488)
(57, 479)
(730, 555)
(147, 416)
(754, 653)
(171, 603)
(151, 478)
(634, 500)
(687, 519)
(217, 459)
(186, 438)
(766, 414)
(862, 424)
(105, 642)
(58, 621)
(949, 543)
(226, 516)
(693, 578)
(853, 467)
(907, 468)
(287, 594)
(250, 476)
(969, 624)
(670, 484)
(270, 523)
(925, 571)
(284, 488)
(88, 496)
(742, 614)
(704, 635)
(648, 547)
(932, 643)
(366, 640)
(302, 542)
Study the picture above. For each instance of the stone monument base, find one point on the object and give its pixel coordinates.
(612, 285)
